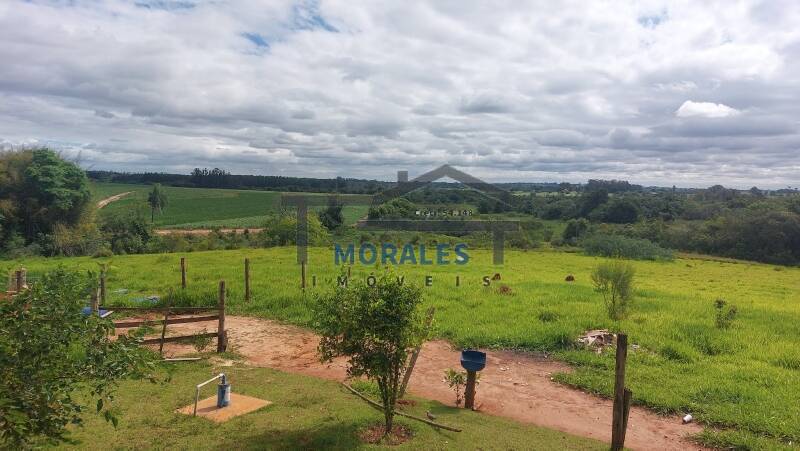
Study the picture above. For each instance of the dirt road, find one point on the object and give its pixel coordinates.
(513, 385)
(102, 203)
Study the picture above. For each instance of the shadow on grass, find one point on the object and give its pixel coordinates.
(325, 436)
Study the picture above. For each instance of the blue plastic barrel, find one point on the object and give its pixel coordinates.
(472, 360)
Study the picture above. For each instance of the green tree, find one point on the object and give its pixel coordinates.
(332, 217)
(375, 327)
(157, 199)
(575, 230)
(38, 190)
(591, 200)
(49, 349)
(620, 211)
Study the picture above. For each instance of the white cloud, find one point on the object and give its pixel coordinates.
(515, 90)
(705, 109)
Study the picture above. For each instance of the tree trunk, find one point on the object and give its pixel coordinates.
(389, 415)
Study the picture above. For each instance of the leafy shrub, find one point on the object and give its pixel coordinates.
(456, 380)
(83, 238)
(127, 233)
(724, 314)
(201, 340)
(394, 209)
(281, 230)
(616, 246)
(614, 280)
(102, 252)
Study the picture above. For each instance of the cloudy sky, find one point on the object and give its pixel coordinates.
(688, 93)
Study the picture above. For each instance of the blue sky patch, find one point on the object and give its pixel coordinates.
(653, 21)
(307, 17)
(256, 39)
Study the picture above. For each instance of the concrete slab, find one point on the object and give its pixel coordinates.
(240, 405)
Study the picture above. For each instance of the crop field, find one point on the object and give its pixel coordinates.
(192, 208)
(743, 380)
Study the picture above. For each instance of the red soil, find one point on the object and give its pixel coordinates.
(513, 385)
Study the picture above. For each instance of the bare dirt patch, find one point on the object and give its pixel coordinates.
(514, 385)
(103, 202)
(374, 434)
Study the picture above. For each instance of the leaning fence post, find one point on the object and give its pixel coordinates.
(247, 280)
(164, 327)
(415, 354)
(625, 413)
(183, 272)
(619, 412)
(221, 335)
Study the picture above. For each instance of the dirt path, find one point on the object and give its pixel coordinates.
(513, 385)
(204, 232)
(102, 203)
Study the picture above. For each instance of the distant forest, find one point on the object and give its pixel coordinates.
(220, 178)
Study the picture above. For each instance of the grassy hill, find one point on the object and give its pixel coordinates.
(743, 379)
(204, 207)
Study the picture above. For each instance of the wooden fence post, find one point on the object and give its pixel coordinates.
(95, 303)
(247, 280)
(18, 281)
(619, 412)
(625, 413)
(415, 354)
(183, 272)
(222, 336)
(164, 327)
(469, 390)
(303, 275)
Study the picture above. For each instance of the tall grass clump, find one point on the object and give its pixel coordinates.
(616, 246)
(614, 280)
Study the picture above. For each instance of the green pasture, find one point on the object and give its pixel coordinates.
(205, 207)
(306, 413)
(743, 380)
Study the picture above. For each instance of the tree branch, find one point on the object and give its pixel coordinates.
(381, 408)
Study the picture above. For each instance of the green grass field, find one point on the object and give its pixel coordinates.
(307, 413)
(194, 208)
(744, 380)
